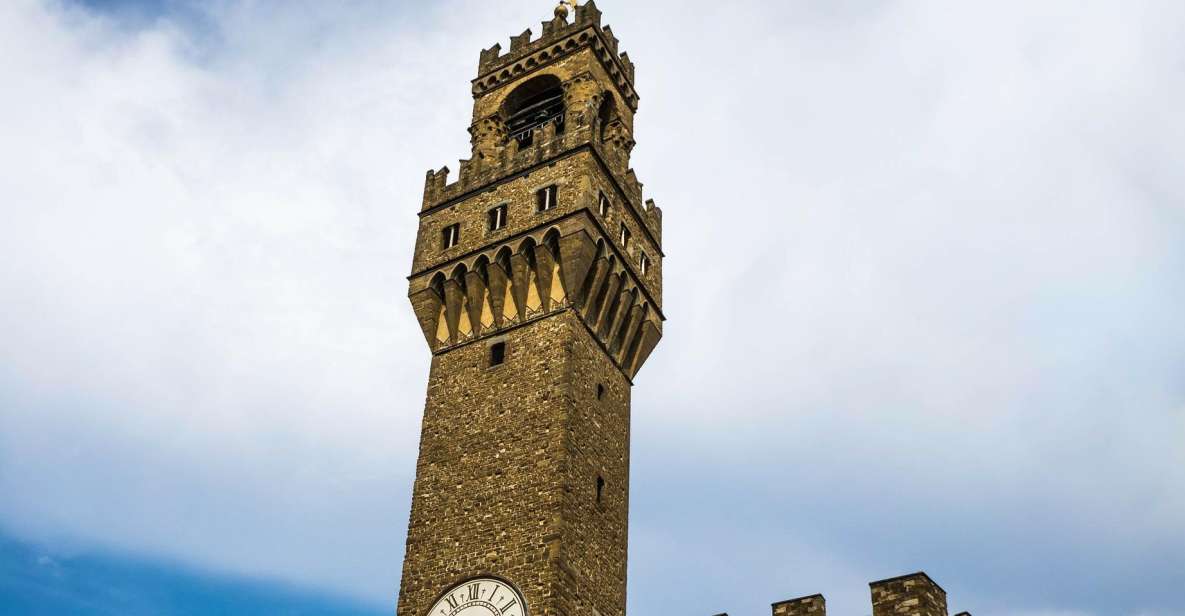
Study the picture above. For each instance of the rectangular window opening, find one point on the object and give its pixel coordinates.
(497, 218)
(602, 204)
(546, 198)
(644, 262)
(625, 237)
(450, 235)
(497, 354)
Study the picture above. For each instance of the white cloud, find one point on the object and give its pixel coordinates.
(923, 283)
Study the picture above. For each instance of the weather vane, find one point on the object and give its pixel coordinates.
(561, 9)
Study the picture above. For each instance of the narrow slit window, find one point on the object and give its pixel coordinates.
(546, 198)
(602, 204)
(625, 237)
(600, 488)
(497, 218)
(644, 263)
(450, 236)
(600, 391)
(497, 354)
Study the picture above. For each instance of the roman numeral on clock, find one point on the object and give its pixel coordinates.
(474, 592)
(452, 601)
(512, 603)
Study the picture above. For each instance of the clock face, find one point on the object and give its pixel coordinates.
(480, 597)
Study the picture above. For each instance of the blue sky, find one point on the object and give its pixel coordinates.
(37, 580)
(924, 280)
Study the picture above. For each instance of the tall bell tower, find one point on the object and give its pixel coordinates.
(537, 280)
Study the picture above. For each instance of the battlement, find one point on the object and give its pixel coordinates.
(914, 594)
(814, 605)
(559, 38)
(478, 173)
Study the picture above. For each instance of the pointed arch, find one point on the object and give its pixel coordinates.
(459, 275)
(437, 284)
(551, 239)
(502, 259)
(482, 267)
(527, 249)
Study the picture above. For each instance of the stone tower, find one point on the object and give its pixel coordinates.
(537, 280)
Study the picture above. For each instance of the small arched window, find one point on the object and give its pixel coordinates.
(497, 354)
(602, 204)
(437, 284)
(600, 488)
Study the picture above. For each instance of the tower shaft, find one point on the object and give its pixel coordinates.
(537, 283)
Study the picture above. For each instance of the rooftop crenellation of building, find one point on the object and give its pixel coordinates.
(477, 173)
(559, 36)
(914, 594)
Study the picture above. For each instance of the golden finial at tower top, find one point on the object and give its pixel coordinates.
(561, 9)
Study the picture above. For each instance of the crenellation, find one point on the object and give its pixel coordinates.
(510, 161)
(465, 171)
(489, 56)
(654, 218)
(521, 41)
(633, 186)
(434, 185)
(588, 13)
(611, 41)
(627, 65)
(559, 39)
(814, 605)
(914, 594)
(552, 26)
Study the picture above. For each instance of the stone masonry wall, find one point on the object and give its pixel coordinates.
(597, 443)
(488, 484)
(506, 481)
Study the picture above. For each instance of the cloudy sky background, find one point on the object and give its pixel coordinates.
(925, 279)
